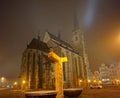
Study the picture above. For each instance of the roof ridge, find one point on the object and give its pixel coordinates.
(59, 40)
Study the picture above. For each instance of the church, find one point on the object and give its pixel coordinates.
(38, 71)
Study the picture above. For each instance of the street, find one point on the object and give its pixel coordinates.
(106, 92)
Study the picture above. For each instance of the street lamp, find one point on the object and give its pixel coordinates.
(2, 79)
(94, 81)
(15, 84)
(23, 84)
(100, 82)
(80, 82)
(89, 81)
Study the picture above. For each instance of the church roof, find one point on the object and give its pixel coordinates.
(37, 44)
(59, 41)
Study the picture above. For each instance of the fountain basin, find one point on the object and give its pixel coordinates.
(41, 94)
(72, 92)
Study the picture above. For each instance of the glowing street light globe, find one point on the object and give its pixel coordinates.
(89, 81)
(23, 82)
(2, 79)
(15, 83)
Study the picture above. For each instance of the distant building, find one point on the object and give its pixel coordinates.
(104, 73)
(116, 74)
(109, 74)
(112, 73)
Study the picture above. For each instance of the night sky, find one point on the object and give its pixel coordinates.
(21, 20)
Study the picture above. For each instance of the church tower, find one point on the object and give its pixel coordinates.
(77, 36)
(78, 43)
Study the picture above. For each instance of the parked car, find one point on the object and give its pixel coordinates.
(96, 86)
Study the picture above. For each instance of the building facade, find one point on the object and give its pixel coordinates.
(104, 73)
(39, 71)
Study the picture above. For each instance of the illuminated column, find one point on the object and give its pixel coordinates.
(58, 72)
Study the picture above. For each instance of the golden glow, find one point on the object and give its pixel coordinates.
(80, 81)
(2, 79)
(117, 80)
(23, 82)
(99, 81)
(89, 81)
(15, 83)
(94, 81)
(118, 39)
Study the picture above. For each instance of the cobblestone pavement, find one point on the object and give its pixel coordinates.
(106, 92)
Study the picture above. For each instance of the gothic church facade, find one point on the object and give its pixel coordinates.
(39, 71)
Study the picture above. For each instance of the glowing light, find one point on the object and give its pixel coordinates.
(89, 81)
(117, 80)
(2, 79)
(100, 82)
(80, 81)
(23, 82)
(117, 39)
(15, 83)
(94, 81)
